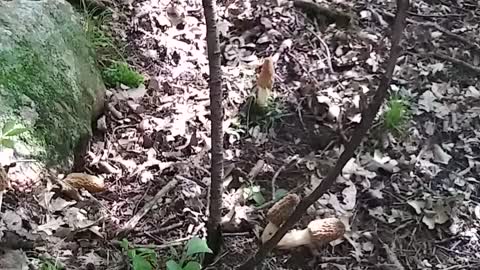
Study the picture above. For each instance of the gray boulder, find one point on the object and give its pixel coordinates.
(49, 83)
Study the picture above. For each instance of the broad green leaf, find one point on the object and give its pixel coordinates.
(15, 131)
(8, 126)
(255, 189)
(146, 252)
(258, 198)
(173, 265)
(7, 143)
(247, 192)
(197, 245)
(124, 244)
(192, 266)
(139, 263)
(280, 193)
(131, 253)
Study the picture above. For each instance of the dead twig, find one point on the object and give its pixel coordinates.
(327, 50)
(173, 243)
(392, 258)
(435, 15)
(450, 34)
(256, 169)
(455, 61)
(368, 117)
(466, 41)
(272, 202)
(277, 173)
(130, 225)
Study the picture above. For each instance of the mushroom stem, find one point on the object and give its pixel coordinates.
(295, 238)
(269, 231)
(319, 231)
(278, 214)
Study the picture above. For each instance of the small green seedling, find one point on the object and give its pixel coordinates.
(265, 117)
(140, 258)
(397, 115)
(10, 130)
(254, 193)
(121, 73)
(279, 194)
(47, 264)
(191, 256)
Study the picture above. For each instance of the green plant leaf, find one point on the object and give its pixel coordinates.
(48, 264)
(192, 266)
(247, 193)
(14, 132)
(174, 252)
(131, 253)
(197, 245)
(140, 263)
(124, 244)
(7, 143)
(146, 252)
(8, 126)
(280, 193)
(258, 198)
(173, 265)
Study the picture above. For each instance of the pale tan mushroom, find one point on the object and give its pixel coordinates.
(319, 231)
(278, 214)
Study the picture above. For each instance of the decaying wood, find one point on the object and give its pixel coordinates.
(340, 18)
(132, 223)
(368, 117)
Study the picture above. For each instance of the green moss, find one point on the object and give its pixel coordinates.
(266, 117)
(121, 73)
(49, 81)
(109, 57)
(28, 74)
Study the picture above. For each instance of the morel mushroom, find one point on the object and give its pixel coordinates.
(319, 231)
(265, 82)
(278, 214)
(91, 183)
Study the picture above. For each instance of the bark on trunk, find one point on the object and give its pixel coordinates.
(214, 238)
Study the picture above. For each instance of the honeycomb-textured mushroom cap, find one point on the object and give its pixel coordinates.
(326, 230)
(282, 209)
(318, 232)
(267, 74)
(91, 183)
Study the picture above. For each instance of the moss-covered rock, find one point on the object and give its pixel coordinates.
(49, 82)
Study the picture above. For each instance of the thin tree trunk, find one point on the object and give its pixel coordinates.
(367, 120)
(214, 238)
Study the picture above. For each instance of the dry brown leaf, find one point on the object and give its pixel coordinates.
(4, 180)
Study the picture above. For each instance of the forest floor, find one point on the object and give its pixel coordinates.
(408, 199)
